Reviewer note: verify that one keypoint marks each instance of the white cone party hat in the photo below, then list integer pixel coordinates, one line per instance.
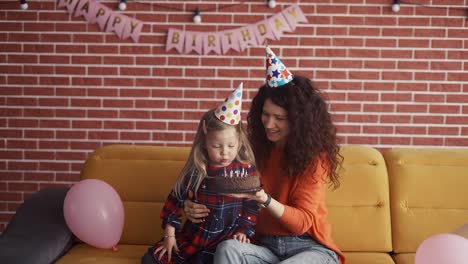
(230, 110)
(277, 73)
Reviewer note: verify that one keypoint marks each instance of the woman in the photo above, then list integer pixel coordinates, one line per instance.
(296, 150)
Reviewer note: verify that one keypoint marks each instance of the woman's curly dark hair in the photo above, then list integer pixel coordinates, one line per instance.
(312, 134)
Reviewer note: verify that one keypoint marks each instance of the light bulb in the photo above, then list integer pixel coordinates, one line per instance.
(271, 3)
(122, 6)
(24, 4)
(396, 6)
(197, 17)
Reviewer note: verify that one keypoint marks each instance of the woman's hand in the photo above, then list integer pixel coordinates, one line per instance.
(195, 212)
(169, 244)
(241, 237)
(259, 196)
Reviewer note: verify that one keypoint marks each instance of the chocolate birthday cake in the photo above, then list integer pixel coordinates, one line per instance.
(235, 181)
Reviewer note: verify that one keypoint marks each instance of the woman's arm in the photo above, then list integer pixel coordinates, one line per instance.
(195, 212)
(275, 208)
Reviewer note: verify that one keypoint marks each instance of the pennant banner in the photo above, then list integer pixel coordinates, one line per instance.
(107, 19)
(236, 39)
(187, 41)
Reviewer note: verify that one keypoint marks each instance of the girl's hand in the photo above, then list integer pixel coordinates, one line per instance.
(169, 244)
(195, 212)
(241, 237)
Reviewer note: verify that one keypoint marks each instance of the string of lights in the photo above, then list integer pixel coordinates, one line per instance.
(197, 19)
(397, 3)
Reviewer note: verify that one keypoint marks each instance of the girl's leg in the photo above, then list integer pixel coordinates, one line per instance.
(233, 251)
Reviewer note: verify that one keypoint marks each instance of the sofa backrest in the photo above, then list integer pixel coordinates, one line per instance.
(428, 193)
(359, 210)
(143, 176)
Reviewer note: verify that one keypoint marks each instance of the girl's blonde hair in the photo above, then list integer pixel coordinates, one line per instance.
(195, 167)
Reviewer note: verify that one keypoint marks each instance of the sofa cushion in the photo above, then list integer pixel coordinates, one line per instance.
(404, 258)
(368, 258)
(359, 209)
(85, 254)
(143, 177)
(38, 232)
(428, 193)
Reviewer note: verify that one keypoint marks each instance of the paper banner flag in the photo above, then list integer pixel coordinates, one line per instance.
(211, 42)
(175, 39)
(62, 3)
(229, 40)
(294, 15)
(117, 23)
(102, 15)
(193, 41)
(262, 31)
(132, 29)
(82, 9)
(71, 4)
(246, 38)
(278, 25)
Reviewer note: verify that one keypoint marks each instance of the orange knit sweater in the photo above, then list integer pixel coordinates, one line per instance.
(304, 200)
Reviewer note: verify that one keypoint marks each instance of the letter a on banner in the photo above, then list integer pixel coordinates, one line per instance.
(278, 25)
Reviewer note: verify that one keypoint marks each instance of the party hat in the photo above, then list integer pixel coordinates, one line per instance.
(277, 73)
(230, 110)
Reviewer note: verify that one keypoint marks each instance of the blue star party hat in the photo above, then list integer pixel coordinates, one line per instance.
(277, 73)
(230, 110)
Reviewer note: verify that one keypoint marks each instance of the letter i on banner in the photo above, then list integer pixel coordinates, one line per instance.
(193, 41)
(294, 15)
(229, 40)
(132, 29)
(211, 42)
(175, 39)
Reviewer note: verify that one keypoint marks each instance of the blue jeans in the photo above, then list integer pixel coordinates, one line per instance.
(276, 249)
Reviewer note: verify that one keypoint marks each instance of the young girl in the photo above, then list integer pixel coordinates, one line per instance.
(220, 146)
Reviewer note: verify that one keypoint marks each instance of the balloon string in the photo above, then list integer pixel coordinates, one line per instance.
(115, 249)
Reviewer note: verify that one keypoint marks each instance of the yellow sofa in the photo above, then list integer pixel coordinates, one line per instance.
(386, 206)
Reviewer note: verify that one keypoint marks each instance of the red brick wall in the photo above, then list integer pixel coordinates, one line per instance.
(67, 88)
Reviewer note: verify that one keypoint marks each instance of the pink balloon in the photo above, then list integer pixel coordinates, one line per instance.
(443, 248)
(94, 212)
